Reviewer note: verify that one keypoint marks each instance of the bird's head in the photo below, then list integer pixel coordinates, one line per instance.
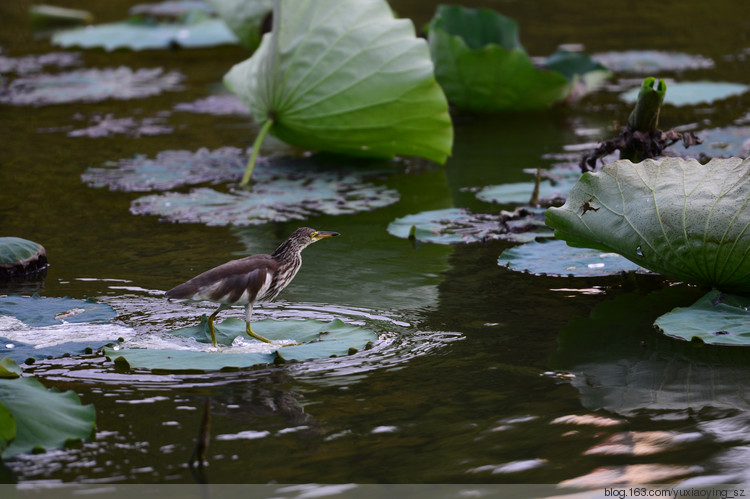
(305, 236)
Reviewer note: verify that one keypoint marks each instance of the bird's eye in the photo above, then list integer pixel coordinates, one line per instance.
(313, 235)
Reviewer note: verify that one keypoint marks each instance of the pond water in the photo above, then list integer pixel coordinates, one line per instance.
(480, 374)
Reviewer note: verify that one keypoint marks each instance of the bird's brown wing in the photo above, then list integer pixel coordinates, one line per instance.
(228, 282)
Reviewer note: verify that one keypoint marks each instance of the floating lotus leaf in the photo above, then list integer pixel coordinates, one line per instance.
(215, 104)
(108, 126)
(482, 66)
(88, 85)
(521, 192)
(691, 93)
(722, 142)
(35, 63)
(7, 428)
(62, 420)
(244, 18)
(460, 226)
(676, 217)
(171, 9)
(716, 318)
(315, 340)
(345, 76)
(147, 35)
(652, 61)
(35, 327)
(21, 257)
(557, 259)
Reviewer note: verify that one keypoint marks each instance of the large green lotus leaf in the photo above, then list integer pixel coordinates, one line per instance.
(534, 257)
(9, 369)
(460, 226)
(345, 76)
(691, 93)
(63, 418)
(7, 428)
(716, 318)
(492, 77)
(38, 311)
(313, 339)
(147, 35)
(676, 217)
(245, 18)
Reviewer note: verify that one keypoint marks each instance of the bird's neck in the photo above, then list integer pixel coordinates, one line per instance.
(288, 249)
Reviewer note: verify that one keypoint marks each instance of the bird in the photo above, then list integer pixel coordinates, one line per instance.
(249, 280)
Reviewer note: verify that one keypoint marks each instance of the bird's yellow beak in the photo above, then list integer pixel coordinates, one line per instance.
(323, 233)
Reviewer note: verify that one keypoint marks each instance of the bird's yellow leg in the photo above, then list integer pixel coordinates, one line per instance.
(211, 323)
(255, 335)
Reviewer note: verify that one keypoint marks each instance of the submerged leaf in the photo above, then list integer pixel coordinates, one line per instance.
(346, 77)
(534, 257)
(88, 85)
(676, 217)
(716, 319)
(314, 340)
(460, 226)
(62, 419)
(482, 67)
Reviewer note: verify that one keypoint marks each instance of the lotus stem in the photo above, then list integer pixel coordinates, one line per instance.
(645, 116)
(256, 147)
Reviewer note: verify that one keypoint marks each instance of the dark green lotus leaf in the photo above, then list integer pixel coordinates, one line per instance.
(583, 72)
(147, 35)
(244, 18)
(716, 318)
(621, 364)
(652, 61)
(555, 258)
(679, 218)
(344, 76)
(314, 340)
(38, 311)
(218, 105)
(7, 428)
(496, 76)
(21, 257)
(88, 85)
(35, 63)
(281, 198)
(460, 226)
(691, 93)
(63, 417)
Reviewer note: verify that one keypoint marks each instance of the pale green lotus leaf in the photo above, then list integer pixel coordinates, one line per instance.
(557, 259)
(245, 18)
(691, 93)
(345, 76)
(716, 319)
(63, 418)
(146, 35)
(20, 257)
(676, 217)
(312, 340)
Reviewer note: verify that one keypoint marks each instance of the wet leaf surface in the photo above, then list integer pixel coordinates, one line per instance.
(716, 319)
(88, 85)
(534, 258)
(460, 226)
(292, 340)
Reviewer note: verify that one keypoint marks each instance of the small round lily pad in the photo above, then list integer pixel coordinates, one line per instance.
(20, 257)
(716, 319)
(555, 258)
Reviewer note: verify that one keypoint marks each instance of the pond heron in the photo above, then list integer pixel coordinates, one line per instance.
(251, 279)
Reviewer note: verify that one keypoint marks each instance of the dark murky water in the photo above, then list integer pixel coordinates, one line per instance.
(481, 374)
